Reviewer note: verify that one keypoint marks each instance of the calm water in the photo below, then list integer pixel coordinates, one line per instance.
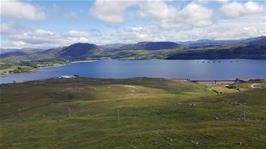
(174, 69)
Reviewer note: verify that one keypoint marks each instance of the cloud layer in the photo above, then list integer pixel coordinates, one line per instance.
(39, 38)
(153, 10)
(160, 20)
(236, 9)
(21, 10)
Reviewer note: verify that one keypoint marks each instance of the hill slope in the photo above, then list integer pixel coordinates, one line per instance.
(253, 51)
(78, 51)
(14, 54)
(131, 113)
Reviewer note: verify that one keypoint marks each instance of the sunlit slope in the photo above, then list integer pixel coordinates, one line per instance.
(131, 113)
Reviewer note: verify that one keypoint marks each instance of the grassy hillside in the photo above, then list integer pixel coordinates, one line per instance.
(8, 66)
(133, 113)
(225, 52)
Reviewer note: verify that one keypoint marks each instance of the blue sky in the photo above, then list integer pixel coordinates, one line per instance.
(51, 23)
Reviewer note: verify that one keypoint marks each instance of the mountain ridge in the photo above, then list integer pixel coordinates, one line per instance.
(151, 45)
(78, 51)
(253, 48)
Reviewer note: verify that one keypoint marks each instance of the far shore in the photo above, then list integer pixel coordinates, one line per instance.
(32, 69)
(84, 61)
(206, 82)
(53, 65)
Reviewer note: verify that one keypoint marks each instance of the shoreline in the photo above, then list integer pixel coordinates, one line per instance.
(33, 69)
(54, 65)
(85, 61)
(206, 82)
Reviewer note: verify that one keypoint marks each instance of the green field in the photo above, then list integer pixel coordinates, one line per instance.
(138, 113)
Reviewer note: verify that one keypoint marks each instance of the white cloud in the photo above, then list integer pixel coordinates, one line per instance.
(74, 36)
(236, 9)
(197, 15)
(156, 11)
(167, 16)
(253, 7)
(110, 11)
(21, 10)
(243, 27)
(10, 29)
(164, 21)
(19, 37)
(230, 28)
(214, 1)
(234, 28)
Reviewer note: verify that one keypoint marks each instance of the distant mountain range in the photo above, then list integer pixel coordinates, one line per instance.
(203, 43)
(78, 51)
(151, 46)
(17, 53)
(251, 48)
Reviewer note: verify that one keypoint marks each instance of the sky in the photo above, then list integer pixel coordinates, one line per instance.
(55, 23)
